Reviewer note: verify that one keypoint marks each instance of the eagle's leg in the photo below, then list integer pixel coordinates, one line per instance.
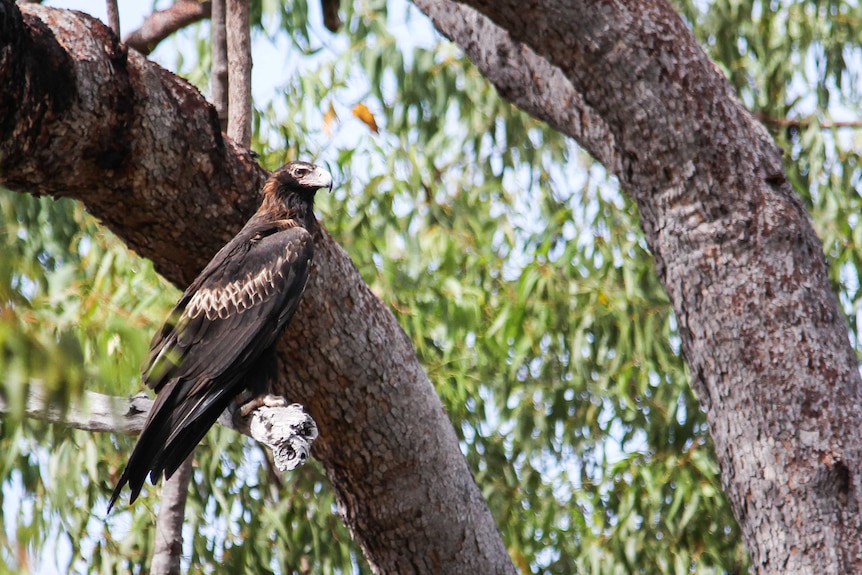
(260, 379)
(283, 427)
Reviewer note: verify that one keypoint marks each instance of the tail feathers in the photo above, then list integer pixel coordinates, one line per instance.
(188, 434)
(176, 424)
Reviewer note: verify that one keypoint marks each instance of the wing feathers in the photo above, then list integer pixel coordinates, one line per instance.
(222, 301)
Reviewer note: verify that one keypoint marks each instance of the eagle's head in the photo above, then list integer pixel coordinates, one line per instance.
(300, 178)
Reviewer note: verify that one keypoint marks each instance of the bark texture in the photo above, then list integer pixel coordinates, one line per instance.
(761, 328)
(83, 118)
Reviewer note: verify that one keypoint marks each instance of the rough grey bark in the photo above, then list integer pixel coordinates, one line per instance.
(761, 328)
(523, 77)
(144, 152)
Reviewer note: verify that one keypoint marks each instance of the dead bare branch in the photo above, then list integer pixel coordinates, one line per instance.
(92, 412)
(275, 423)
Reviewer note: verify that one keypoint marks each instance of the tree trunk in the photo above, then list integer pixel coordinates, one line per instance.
(760, 326)
(144, 152)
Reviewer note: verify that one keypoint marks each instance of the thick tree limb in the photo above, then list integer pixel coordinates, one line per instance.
(162, 23)
(525, 79)
(144, 152)
(760, 326)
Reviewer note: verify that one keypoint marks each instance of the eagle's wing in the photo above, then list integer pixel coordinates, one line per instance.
(215, 342)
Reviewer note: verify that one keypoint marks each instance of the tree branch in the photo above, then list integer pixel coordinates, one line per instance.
(523, 78)
(284, 428)
(169, 526)
(92, 412)
(113, 16)
(162, 23)
(331, 19)
(219, 80)
(168, 547)
(144, 152)
(239, 66)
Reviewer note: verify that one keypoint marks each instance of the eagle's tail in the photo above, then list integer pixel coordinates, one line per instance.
(182, 413)
(176, 424)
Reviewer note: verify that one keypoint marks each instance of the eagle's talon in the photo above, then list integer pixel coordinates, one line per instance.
(250, 406)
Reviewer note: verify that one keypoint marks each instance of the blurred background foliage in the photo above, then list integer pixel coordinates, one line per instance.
(510, 258)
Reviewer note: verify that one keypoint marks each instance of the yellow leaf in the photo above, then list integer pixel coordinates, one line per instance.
(362, 112)
(329, 118)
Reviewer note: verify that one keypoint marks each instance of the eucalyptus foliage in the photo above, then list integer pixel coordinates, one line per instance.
(512, 261)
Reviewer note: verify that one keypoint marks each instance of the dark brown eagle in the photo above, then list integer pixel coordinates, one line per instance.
(220, 338)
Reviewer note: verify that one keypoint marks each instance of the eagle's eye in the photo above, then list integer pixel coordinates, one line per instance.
(300, 173)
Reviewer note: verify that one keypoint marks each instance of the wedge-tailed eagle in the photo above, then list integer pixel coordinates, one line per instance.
(220, 338)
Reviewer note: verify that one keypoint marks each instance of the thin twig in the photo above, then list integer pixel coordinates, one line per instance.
(239, 71)
(169, 531)
(331, 19)
(805, 122)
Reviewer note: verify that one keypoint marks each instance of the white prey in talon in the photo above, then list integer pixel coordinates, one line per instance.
(285, 429)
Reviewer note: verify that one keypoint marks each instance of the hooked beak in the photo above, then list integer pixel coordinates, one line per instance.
(319, 178)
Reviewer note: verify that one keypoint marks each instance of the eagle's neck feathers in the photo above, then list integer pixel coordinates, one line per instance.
(285, 210)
